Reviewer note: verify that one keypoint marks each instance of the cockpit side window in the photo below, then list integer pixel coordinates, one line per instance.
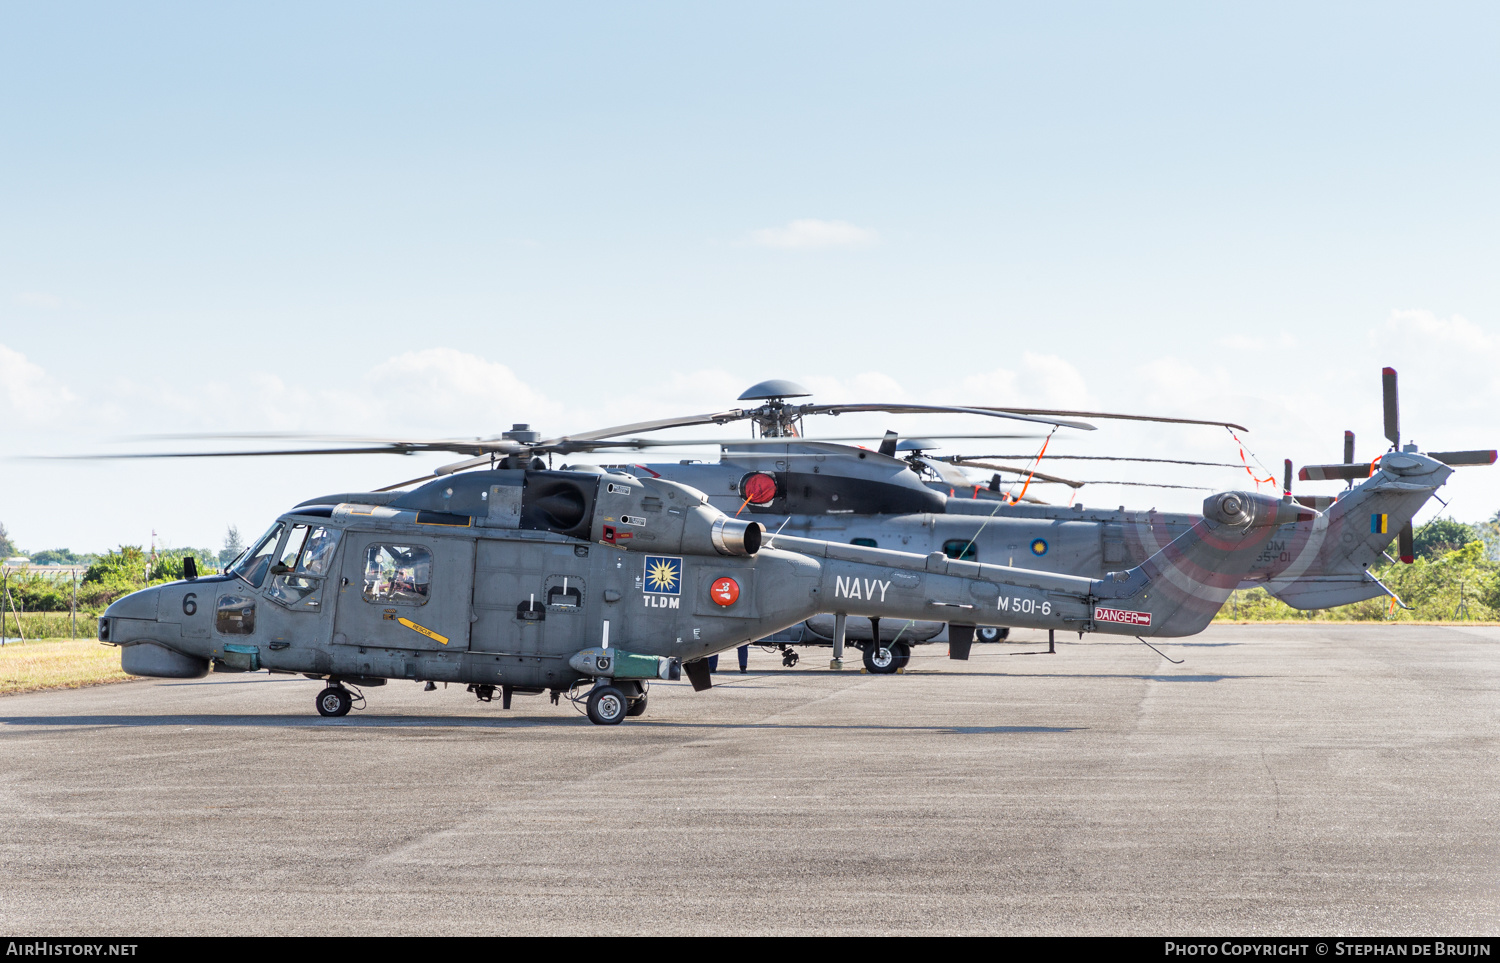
(253, 564)
(306, 555)
(319, 551)
(292, 550)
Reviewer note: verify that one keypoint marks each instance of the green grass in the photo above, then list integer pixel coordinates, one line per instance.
(50, 625)
(57, 664)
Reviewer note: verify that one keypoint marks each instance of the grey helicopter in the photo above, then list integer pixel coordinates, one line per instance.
(828, 490)
(531, 581)
(1318, 564)
(826, 478)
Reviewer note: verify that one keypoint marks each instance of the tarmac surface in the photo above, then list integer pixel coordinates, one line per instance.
(1304, 780)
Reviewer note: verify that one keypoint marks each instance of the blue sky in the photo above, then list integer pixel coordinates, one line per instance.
(438, 219)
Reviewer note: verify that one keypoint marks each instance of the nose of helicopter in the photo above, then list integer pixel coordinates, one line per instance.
(146, 643)
(141, 606)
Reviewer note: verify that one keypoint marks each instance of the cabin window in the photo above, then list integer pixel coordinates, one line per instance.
(398, 573)
(866, 542)
(961, 549)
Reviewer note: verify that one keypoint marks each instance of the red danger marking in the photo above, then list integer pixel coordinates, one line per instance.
(726, 591)
(760, 488)
(1125, 616)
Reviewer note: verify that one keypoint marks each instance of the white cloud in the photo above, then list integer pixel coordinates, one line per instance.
(442, 389)
(810, 234)
(1043, 381)
(867, 387)
(1457, 331)
(26, 390)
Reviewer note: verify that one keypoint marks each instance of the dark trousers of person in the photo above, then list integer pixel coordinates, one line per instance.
(713, 660)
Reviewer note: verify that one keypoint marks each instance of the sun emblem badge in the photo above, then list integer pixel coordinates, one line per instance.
(663, 575)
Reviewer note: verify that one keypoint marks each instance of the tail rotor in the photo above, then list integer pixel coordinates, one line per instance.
(1351, 471)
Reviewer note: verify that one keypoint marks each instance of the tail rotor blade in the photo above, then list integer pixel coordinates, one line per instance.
(1335, 472)
(888, 444)
(1392, 409)
(1405, 542)
(1286, 478)
(1465, 457)
(1348, 447)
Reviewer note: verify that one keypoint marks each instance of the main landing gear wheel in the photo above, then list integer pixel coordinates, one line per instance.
(607, 705)
(637, 706)
(991, 633)
(334, 701)
(887, 659)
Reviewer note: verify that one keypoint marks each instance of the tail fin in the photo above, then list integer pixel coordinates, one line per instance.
(1180, 589)
(1328, 563)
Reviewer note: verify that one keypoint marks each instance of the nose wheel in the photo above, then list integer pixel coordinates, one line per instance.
(335, 701)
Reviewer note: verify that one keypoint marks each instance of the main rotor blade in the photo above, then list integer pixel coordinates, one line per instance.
(1406, 544)
(1010, 469)
(1158, 461)
(310, 437)
(1392, 408)
(1119, 417)
(1464, 457)
(949, 474)
(566, 444)
(383, 450)
(1105, 481)
(1017, 414)
(643, 443)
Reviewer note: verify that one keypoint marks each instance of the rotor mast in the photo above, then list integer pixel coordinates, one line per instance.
(775, 418)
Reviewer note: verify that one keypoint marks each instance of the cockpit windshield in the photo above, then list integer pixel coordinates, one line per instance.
(253, 564)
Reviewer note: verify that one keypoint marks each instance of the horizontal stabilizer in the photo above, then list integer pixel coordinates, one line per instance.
(1318, 503)
(1352, 472)
(1464, 457)
(1324, 592)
